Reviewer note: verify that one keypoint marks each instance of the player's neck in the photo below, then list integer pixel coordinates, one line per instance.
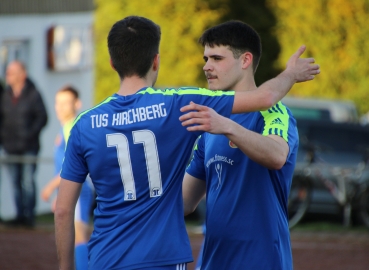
(247, 83)
(66, 120)
(131, 85)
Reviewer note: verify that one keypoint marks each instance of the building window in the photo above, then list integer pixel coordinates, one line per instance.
(69, 47)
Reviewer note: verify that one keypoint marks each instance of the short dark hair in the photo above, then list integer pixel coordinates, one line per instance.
(133, 43)
(70, 89)
(239, 36)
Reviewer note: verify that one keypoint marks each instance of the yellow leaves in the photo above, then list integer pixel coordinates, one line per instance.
(335, 32)
(182, 23)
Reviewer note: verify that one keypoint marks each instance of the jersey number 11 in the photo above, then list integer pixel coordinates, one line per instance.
(147, 138)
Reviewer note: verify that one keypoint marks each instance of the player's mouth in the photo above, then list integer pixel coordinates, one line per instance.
(211, 77)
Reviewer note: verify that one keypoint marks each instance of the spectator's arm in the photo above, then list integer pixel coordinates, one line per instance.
(40, 115)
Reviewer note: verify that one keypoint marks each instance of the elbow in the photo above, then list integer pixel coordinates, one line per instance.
(61, 213)
(277, 164)
(188, 210)
(276, 167)
(269, 100)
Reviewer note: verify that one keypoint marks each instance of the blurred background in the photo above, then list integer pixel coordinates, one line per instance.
(64, 42)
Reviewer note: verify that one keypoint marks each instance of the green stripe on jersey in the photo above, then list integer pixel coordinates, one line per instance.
(66, 130)
(186, 91)
(82, 113)
(276, 121)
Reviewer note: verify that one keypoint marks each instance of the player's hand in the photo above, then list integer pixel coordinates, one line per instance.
(302, 69)
(46, 193)
(203, 118)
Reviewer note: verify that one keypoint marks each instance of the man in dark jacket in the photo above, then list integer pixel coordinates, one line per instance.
(23, 116)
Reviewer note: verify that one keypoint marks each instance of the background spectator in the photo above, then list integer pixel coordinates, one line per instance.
(23, 116)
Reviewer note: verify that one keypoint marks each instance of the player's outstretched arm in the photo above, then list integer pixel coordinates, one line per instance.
(269, 93)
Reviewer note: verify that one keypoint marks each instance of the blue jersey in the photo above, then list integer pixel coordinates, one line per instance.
(85, 200)
(246, 214)
(136, 150)
(59, 149)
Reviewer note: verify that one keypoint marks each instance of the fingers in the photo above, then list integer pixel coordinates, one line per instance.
(197, 118)
(195, 128)
(195, 124)
(303, 69)
(191, 123)
(310, 60)
(191, 118)
(299, 52)
(314, 69)
(192, 107)
(194, 111)
(316, 66)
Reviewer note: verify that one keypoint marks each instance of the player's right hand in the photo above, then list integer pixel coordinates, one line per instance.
(302, 69)
(202, 118)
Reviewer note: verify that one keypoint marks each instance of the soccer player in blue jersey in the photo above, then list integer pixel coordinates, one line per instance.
(67, 103)
(135, 150)
(246, 173)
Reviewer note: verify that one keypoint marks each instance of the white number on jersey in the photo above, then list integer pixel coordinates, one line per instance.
(147, 138)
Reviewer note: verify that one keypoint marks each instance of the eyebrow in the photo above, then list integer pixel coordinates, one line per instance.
(213, 56)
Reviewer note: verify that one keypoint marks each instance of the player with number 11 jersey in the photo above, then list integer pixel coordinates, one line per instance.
(123, 145)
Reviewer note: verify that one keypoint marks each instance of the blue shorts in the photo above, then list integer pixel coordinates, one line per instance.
(85, 202)
(180, 266)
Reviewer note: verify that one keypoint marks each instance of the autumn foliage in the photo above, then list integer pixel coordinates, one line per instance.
(182, 23)
(336, 35)
(334, 31)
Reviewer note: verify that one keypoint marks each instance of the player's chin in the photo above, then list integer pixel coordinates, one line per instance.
(212, 85)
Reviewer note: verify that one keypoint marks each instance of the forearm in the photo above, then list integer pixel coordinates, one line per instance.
(275, 89)
(261, 149)
(64, 233)
(193, 190)
(64, 222)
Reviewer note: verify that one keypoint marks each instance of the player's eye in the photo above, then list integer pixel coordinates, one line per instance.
(205, 59)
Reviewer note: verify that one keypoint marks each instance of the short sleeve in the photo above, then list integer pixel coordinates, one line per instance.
(278, 120)
(74, 165)
(196, 168)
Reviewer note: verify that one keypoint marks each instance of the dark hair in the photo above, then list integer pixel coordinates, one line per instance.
(133, 43)
(239, 36)
(70, 89)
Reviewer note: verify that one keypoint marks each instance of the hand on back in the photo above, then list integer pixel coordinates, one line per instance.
(203, 118)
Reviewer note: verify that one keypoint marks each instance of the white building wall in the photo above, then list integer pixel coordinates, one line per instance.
(34, 28)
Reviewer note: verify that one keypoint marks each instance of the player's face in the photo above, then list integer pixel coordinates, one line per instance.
(222, 70)
(65, 106)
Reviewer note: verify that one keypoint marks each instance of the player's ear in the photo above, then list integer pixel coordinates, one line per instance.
(78, 104)
(111, 64)
(156, 62)
(247, 58)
